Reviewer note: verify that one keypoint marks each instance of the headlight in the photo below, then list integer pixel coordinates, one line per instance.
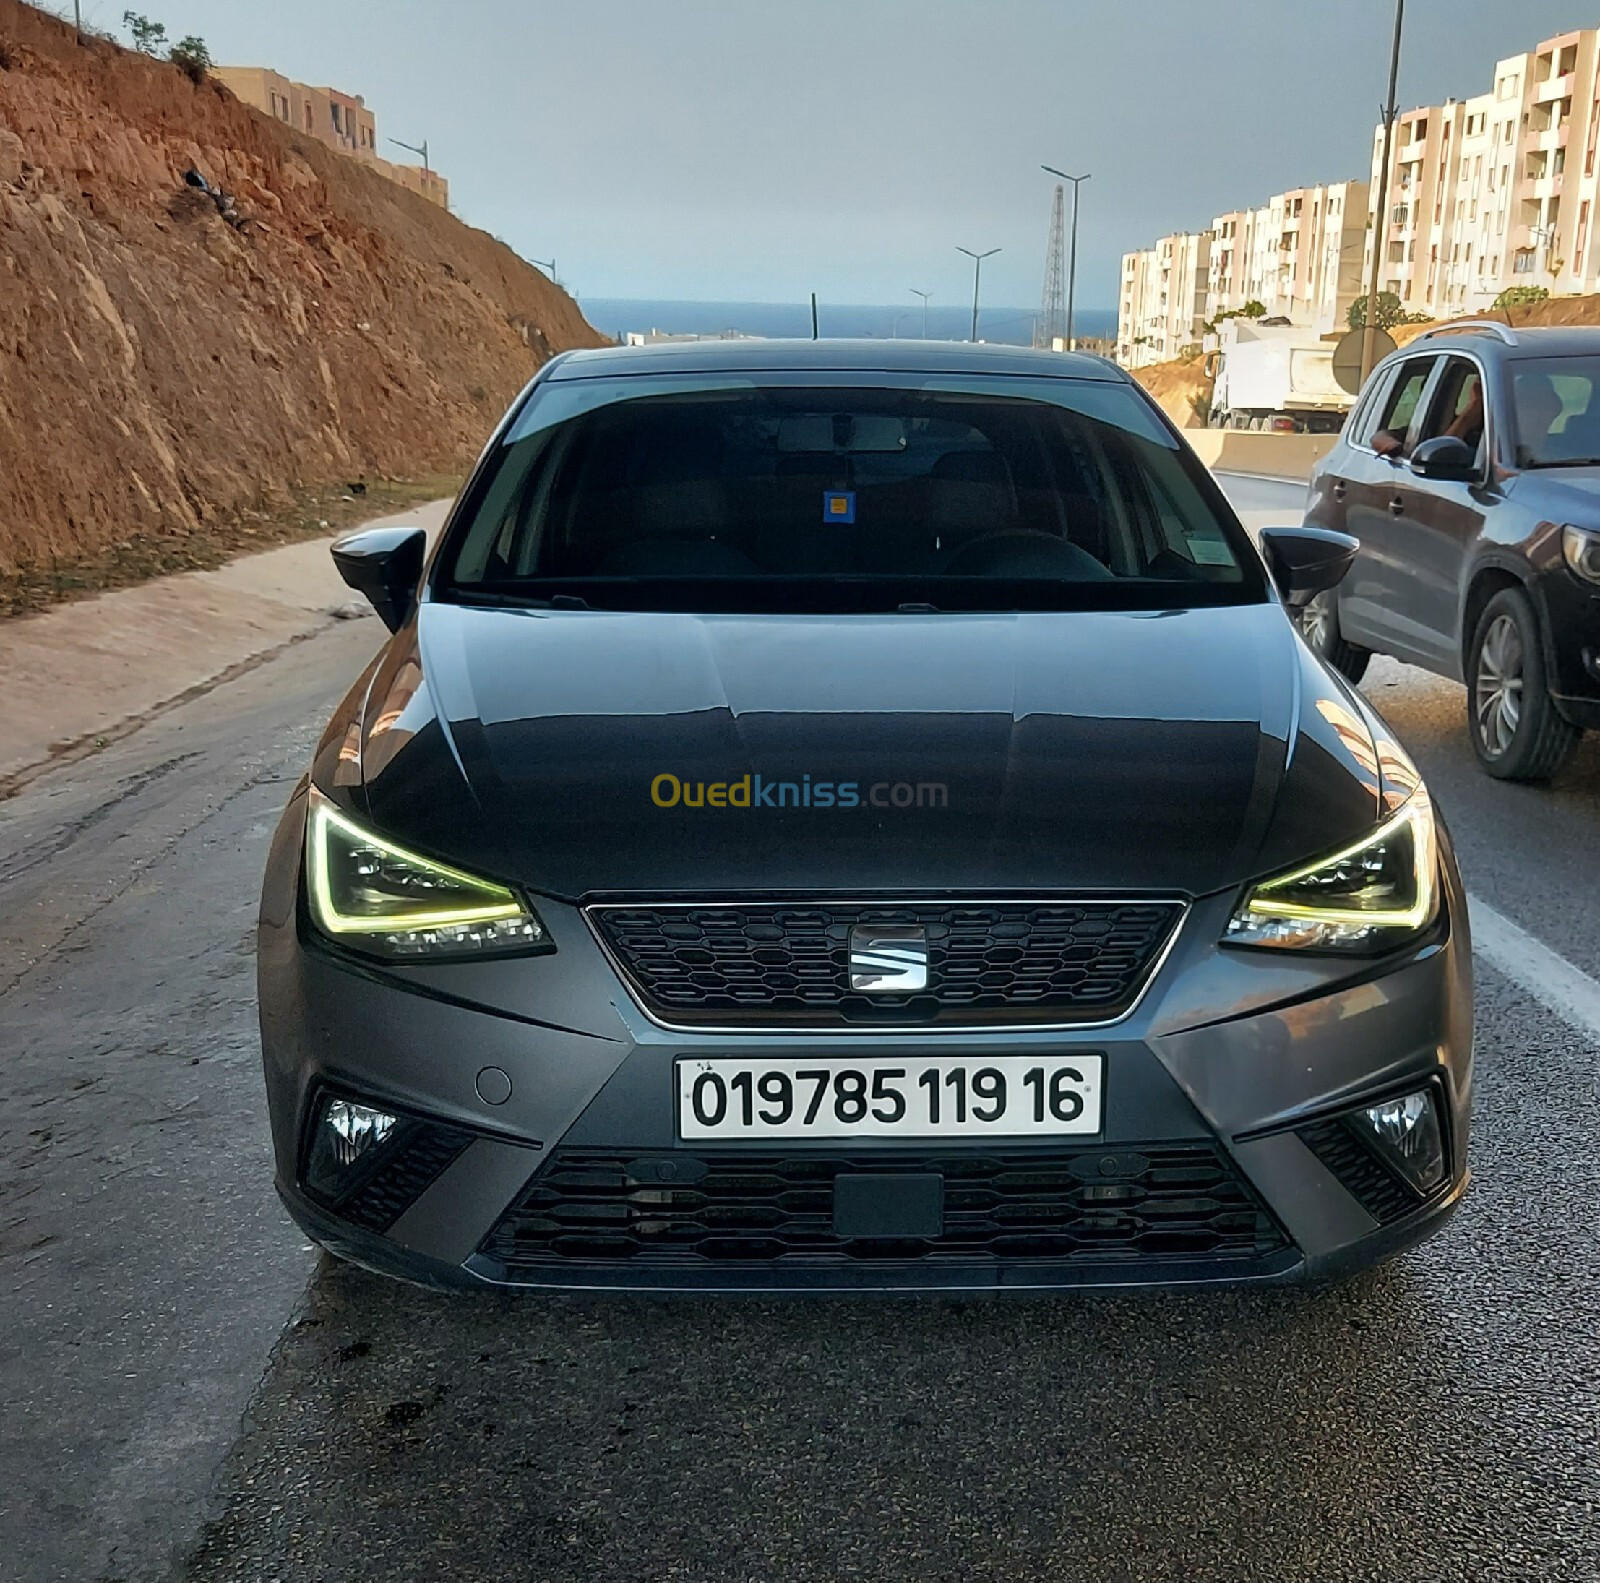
(1368, 898)
(376, 897)
(1580, 547)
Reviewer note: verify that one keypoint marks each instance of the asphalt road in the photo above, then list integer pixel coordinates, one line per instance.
(192, 1394)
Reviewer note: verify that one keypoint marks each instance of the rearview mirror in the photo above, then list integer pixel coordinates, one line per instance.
(385, 566)
(1306, 561)
(1447, 457)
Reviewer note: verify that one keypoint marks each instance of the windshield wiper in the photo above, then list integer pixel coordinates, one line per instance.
(914, 607)
(509, 599)
(1569, 461)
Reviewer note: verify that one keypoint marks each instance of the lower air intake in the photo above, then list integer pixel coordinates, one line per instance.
(679, 1211)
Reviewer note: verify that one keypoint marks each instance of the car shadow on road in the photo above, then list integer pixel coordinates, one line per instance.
(1258, 1434)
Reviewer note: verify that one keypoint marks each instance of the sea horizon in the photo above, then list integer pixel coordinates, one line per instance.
(619, 316)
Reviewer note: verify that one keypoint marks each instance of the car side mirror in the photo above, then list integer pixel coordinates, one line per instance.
(1447, 457)
(385, 566)
(1305, 562)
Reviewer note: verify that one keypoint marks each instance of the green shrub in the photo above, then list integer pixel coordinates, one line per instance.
(1517, 296)
(148, 36)
(1390, 312)
(191, 57)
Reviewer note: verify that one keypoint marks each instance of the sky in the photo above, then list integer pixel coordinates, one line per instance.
(759, 150)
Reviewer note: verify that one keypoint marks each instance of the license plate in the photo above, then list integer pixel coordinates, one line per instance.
(1004, 1096)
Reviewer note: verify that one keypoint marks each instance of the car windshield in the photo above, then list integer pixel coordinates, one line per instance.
(1556, 401)
(728, 493)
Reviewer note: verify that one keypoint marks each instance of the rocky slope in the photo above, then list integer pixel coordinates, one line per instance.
(162, 369)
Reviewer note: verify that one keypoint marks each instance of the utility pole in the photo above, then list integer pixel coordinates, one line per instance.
(924, 295)
(977, 274)
(1369, 337)
(1072, 257)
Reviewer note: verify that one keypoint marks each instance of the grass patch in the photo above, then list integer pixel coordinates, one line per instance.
(308, 514)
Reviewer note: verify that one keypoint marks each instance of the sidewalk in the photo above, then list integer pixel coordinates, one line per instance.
(97, 668)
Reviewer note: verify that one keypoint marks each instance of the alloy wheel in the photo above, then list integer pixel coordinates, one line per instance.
(1498, 690)
(1316, 622)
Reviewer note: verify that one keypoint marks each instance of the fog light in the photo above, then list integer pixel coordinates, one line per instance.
(1409, 1137)
(355, 1129)
(345, 1146)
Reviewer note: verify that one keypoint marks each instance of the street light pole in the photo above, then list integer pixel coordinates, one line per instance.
(924, 295)
(1072, 248)
(1369, 336)
(977, 274)
(415, 148)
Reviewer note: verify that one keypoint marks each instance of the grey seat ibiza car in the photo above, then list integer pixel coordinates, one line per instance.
(838, 816)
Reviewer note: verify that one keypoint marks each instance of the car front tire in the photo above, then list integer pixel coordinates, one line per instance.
(1517, 732)
(1319, 626)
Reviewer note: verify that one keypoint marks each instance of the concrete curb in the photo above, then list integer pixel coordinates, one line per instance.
(80, 675)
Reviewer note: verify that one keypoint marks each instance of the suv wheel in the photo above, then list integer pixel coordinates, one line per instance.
(1319, 626)
(1516, 730)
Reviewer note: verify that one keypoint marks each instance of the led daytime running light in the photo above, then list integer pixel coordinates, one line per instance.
(326, 821)
(1418, 814)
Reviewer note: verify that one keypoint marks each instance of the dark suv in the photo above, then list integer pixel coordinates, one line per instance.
(1470, 472)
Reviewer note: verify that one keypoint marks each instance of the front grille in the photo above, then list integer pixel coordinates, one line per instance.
(782, 963)
(684, 1212)
(1360, 1173)
(413, 1166)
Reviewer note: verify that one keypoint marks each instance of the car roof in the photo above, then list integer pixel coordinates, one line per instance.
(749, 354)
(1566, 340)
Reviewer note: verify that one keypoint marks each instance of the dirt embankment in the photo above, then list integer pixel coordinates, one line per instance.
(163, 371)
(1182, 389)
(1560, 312)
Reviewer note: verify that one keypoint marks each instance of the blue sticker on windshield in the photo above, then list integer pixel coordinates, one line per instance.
(839, 505)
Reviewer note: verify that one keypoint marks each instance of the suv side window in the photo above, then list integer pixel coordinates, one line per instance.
(1457, 406)
(1365, 417)
(1401, 407)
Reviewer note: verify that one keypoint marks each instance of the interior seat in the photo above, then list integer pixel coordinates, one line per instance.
(793, 537)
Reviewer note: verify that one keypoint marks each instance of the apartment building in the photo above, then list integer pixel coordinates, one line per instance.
(1308, 253)
(340, 120)
(1500, 189)
(1162, 306)
(1299, 255)
(1232, 278)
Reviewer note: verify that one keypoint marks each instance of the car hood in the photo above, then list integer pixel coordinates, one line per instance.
(1172, 751)
(1561, 492)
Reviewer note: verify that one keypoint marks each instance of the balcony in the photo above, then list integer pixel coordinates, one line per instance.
(1553, 88)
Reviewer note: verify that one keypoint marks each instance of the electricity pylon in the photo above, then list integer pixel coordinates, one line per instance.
(1052, 320)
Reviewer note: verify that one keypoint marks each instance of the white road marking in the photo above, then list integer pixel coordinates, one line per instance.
(1568, 991)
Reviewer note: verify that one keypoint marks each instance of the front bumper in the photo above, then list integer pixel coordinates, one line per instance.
(1571, 617)
(1234, 1055)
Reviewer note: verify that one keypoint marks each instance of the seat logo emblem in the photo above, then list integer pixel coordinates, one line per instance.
(888, 961)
